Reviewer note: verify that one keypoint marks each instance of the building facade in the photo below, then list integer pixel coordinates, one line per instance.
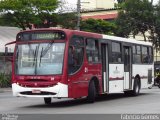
(97, 4)
(7, 34)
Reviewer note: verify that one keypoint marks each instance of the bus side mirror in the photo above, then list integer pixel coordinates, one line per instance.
(8, 58)
(6, 51)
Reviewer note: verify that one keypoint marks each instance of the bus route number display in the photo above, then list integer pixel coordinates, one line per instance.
(48, 36)
(40, 36)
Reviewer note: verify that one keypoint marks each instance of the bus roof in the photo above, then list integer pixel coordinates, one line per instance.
(95, 35)
(128, 40)
(68, 31)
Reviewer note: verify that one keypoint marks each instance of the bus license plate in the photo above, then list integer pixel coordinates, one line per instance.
(36, 91)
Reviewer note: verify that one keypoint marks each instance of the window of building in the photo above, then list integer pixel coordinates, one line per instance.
(92, 49)
(116, 52)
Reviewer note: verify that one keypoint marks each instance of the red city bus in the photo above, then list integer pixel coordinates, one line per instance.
(62, 63)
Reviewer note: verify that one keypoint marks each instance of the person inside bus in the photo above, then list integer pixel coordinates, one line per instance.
(71, 60)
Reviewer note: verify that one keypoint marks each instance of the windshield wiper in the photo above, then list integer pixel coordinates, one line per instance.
(45, 50)
(35, 55)
(17, 55)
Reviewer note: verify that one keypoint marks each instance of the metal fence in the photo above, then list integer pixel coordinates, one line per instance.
(5, 66)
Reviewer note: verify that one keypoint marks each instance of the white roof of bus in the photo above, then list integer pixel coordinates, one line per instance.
(126, 40)
(114, 38)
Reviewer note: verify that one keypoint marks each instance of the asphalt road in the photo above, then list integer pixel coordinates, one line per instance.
(147, 102)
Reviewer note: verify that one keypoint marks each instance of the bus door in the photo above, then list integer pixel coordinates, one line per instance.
(127, 67)
(105, 74)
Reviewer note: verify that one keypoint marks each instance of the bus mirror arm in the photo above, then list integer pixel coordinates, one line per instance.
(6, 52)
(10, 43)
(6, 48)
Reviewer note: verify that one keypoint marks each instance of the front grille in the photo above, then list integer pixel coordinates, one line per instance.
(35, 80)
(42, 93)
(39, 84)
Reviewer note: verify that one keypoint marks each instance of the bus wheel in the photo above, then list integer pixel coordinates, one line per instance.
(91, 92)
(127, 93)
(136, 88)
(47, 101)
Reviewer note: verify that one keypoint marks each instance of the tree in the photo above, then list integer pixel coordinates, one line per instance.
(5, 20)
(124, 27)
(67, 20)
(98, 26)
(155, 31)
(24, 12)
(136, 16)
(120, 1)
(67, 16)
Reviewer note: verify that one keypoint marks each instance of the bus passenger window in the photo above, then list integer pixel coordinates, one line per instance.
(150, 51)
(75, 54)
(145, 55)
(92, 49)
(116, 53)
(136, 54)
(71, 60)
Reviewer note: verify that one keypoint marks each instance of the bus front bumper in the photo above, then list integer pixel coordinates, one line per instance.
(57, 91)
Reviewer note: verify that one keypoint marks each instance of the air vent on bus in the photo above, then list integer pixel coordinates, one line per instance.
(41, 93)
(36, 80)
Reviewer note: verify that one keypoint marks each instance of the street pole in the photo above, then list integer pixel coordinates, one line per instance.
(78, 14)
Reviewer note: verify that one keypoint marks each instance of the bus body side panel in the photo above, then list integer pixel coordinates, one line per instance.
(79, 82)
(143, 73)
(116, 78)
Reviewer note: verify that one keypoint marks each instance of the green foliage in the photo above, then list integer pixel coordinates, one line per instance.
(136, 16)
(139, 16)
(124, 26)
(155, 30)
(120, 1)
(98, 26)
(5, 80)
(5, 20)
(67, 20)
(24, 12)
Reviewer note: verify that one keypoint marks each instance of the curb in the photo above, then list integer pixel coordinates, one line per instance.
(5, 90)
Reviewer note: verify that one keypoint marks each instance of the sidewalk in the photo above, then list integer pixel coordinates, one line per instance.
(5, 90)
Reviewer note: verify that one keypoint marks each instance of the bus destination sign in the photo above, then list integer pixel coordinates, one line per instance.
(26, 36)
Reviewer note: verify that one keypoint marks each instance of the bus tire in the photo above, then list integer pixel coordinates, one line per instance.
(47, 101)
(91, 92)
(127, 93)
(136, 87)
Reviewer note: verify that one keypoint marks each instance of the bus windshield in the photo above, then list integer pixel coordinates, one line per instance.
(39, 59)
